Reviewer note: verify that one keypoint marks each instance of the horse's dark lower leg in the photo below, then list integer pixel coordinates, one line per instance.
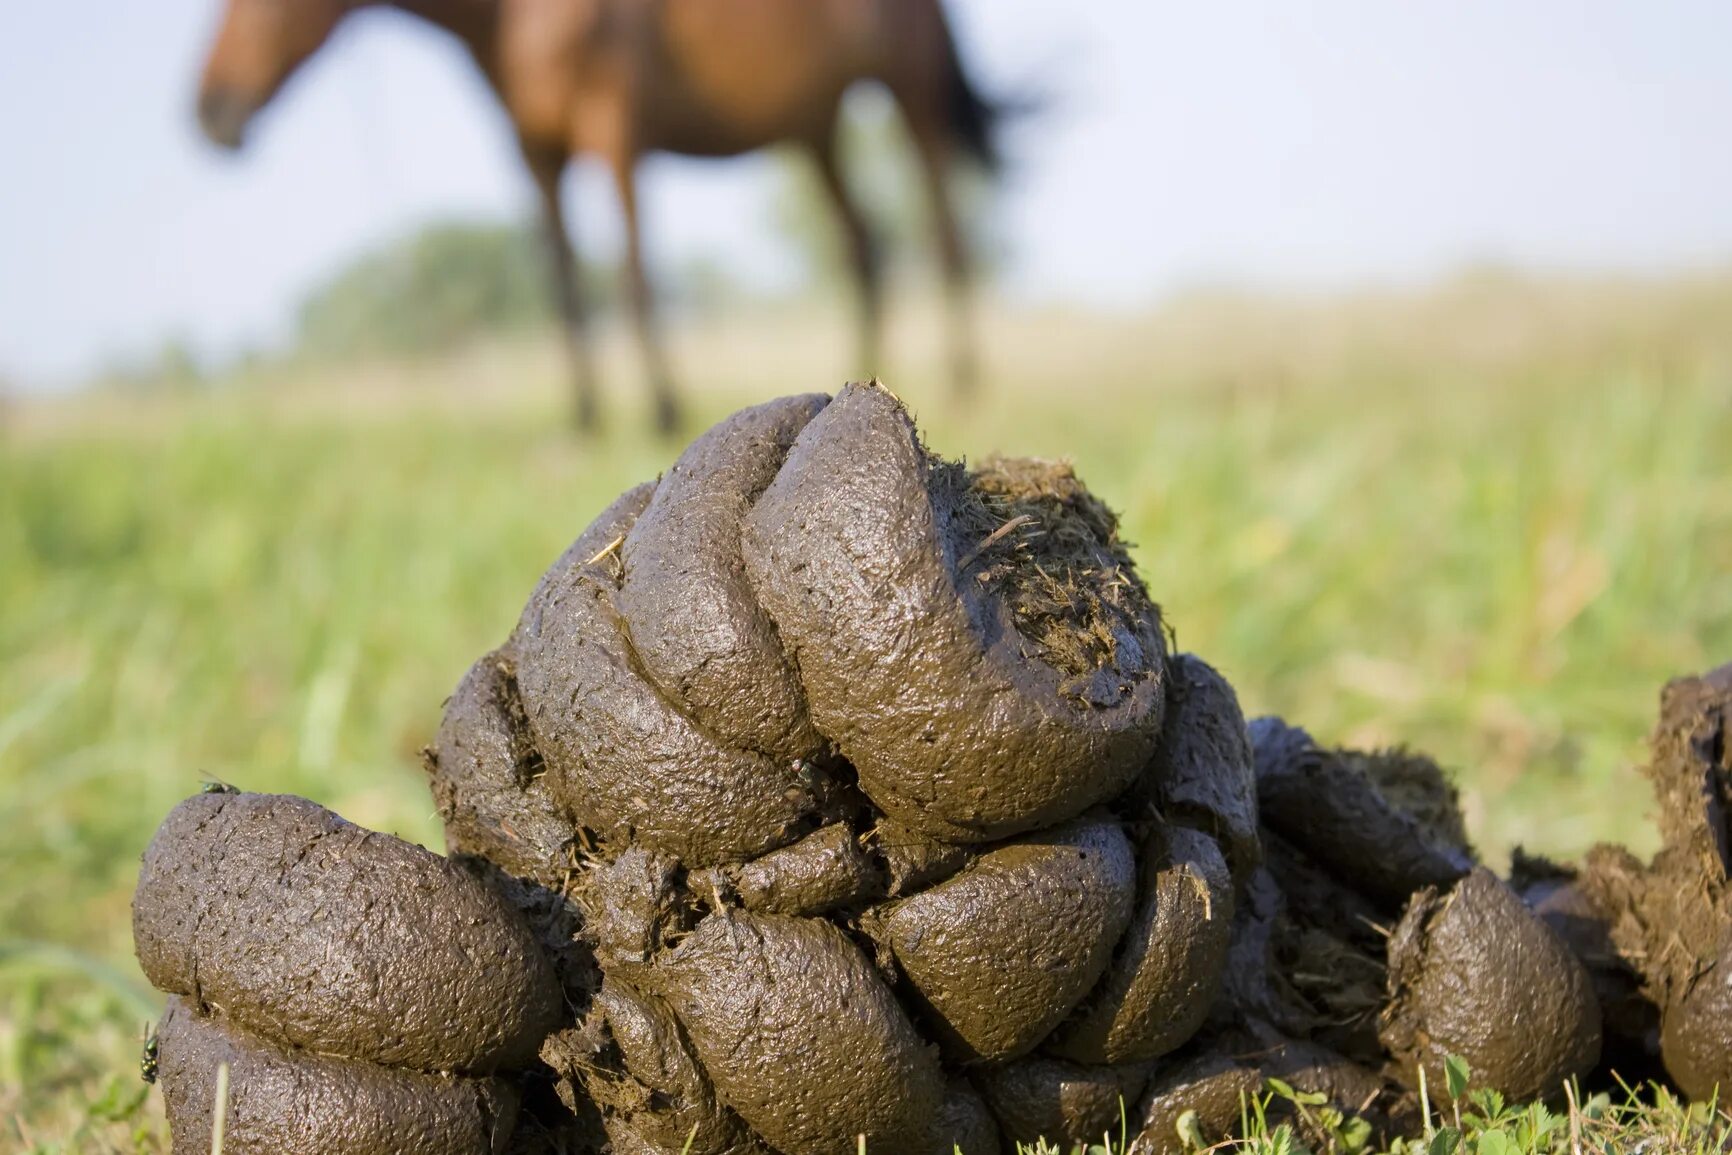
(579, 351)
(546, 167)
(863, 255)
(935, 155)
(667, 406)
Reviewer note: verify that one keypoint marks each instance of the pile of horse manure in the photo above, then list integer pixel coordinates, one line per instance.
(826, 788)
(365, 994)
(1657, 938)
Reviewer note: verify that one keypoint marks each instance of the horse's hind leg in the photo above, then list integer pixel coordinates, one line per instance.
(863, 254)
(667, 406)
(547, 166)
(936, 153)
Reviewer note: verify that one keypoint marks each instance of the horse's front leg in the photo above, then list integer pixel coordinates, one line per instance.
(623, 161)
(547, 166)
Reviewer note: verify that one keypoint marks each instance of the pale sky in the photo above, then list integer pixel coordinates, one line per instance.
(1267, 143)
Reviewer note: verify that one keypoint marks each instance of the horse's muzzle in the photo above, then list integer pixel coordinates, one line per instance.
(223, 115)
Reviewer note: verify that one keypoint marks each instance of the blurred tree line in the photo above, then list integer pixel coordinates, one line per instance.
(437, 287)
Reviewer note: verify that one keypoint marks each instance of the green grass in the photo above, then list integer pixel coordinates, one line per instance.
(1282, 1121)
(1488, 522)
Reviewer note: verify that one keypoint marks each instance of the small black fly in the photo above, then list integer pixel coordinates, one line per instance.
(147, 1059)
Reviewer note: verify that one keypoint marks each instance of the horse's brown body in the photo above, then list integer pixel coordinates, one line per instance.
(617, 78)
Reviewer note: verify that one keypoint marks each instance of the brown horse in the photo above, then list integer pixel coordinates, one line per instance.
(618, 78)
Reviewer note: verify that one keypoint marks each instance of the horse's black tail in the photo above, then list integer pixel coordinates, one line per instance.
(974, 119)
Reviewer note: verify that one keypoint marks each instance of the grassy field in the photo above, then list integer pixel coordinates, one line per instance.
(1487, 520)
